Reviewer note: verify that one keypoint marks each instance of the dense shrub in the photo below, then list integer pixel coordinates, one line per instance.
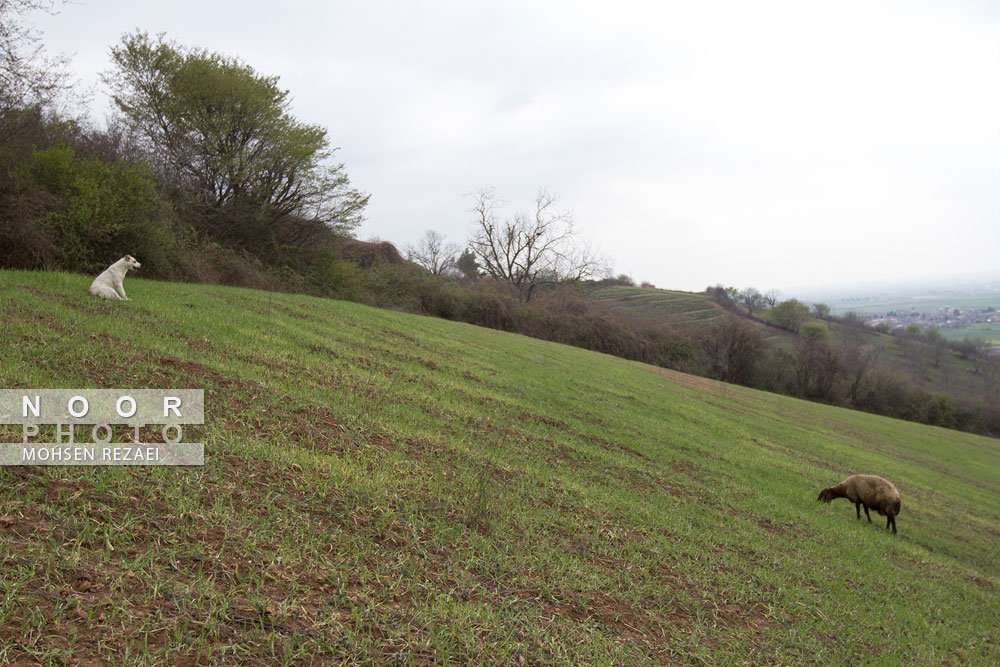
(790, 314)
(887, 392)
(940, 410)
(99, 211)
(330, 275)
(486, 307)
(65, 210)
(819, 369)
(732, 349)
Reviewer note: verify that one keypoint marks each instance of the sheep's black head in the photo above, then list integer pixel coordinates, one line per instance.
(826, 495)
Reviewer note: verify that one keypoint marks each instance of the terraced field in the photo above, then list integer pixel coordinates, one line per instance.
(674, 307)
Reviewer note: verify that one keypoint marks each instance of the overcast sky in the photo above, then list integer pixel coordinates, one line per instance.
(774, 144)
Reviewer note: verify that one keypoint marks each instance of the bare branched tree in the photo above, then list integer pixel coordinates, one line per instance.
(860, 351)
(27, 74)
(432, 253)
(530, 249)
(752, 299)
(733, 350)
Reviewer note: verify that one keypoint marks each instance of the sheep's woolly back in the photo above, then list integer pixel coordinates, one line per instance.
(873, 491)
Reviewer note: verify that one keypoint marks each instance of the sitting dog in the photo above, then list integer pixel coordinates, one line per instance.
(108, 285)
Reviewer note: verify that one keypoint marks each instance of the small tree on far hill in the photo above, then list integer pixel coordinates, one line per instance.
(821, 310)
(818, 367)
(789, 314)
(938, 342)
(814, 331)
(855, 323)
(752, 299)
(467, 265)
(859, 351)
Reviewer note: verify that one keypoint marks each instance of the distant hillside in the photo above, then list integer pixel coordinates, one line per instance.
(386, 488)
(682, 310)
(934, 368)
(674, 307)
(902, 374)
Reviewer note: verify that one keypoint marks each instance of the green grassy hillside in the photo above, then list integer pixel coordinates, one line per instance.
(392, 489)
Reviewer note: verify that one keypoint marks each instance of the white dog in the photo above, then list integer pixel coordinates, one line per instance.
(109, 284)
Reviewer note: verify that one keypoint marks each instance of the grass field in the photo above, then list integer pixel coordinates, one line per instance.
(988, 332)
(905, 303)
(384, 488)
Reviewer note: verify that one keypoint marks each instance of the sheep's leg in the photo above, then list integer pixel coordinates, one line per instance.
(857, 506)
(892, 520)
(867, 514)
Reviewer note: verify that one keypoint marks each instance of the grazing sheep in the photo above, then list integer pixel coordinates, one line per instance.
(869, 491)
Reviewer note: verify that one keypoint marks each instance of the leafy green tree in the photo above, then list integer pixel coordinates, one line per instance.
(467, 265)
(223, 131)
(789, 314)
(941, 410)
(821, 310)
(814, 331)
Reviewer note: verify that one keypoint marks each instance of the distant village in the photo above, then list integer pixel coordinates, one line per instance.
(942, 318)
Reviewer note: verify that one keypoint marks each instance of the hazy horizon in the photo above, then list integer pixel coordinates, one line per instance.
(915, 285)
(977, 283)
